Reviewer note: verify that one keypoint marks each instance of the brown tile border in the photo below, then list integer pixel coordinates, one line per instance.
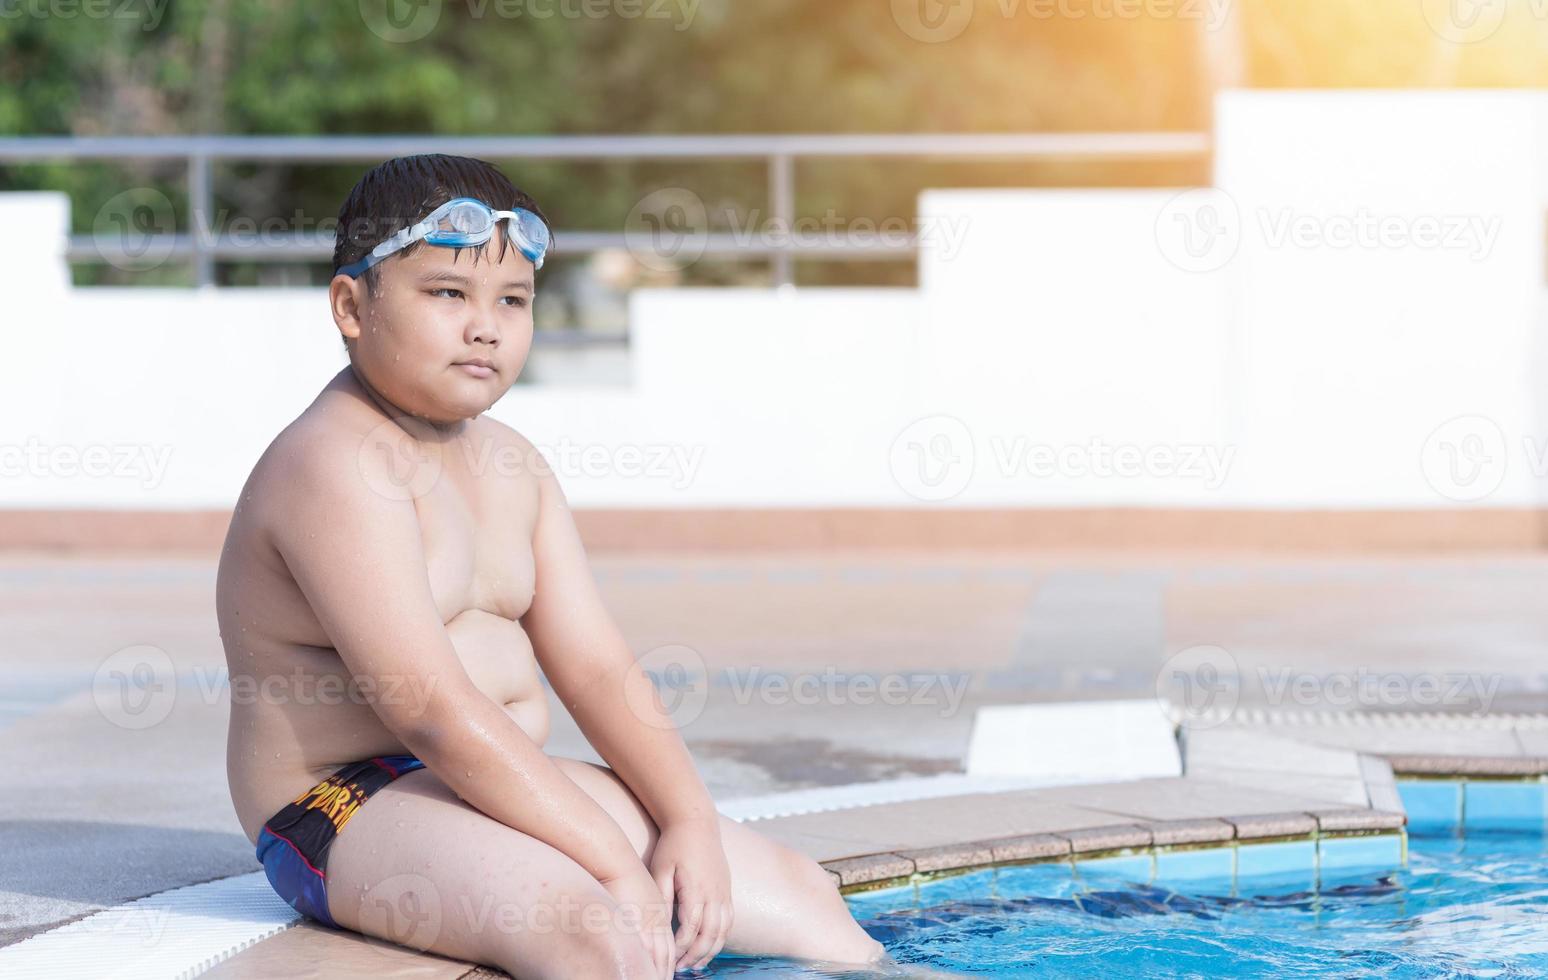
(870, 868)
(1259, 826)
(1170, 833)
(1021, 528)
(950, 857)
(1093, 839)
(114, 531)
(1343, 820)
(1384, 816)
(791, 529)
(1028, 847)
(1467, 765)
(898, 866)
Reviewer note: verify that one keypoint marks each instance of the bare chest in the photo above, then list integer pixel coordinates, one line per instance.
(477, 537)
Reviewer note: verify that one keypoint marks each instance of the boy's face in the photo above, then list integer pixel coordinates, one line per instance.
(446, 333)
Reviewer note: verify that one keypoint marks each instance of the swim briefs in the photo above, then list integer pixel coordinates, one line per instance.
(293, 845)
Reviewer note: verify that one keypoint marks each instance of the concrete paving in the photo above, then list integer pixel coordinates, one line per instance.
(98, 808)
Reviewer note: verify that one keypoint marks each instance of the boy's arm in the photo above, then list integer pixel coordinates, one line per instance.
(357, 557)
(587, 660)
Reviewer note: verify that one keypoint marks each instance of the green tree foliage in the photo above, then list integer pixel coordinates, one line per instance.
(95, 67)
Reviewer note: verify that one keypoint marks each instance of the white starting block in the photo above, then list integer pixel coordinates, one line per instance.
(1074, 742)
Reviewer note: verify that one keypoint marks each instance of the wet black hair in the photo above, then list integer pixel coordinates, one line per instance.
(395, 194)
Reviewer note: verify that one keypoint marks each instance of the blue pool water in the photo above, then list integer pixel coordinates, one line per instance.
(1473, 907)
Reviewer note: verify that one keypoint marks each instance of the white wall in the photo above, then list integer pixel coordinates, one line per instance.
(1350, 357)
(1058, 338)
(1060, 324)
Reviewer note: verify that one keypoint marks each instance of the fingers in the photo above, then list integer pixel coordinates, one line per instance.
(655, 934)
(690, 914)
(722, 930)
(658, 944)
(661, 941)
(703, 946)
(663, 951)
(714, 923)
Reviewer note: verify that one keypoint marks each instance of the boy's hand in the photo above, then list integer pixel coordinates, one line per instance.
(646, 911)
(689, 865)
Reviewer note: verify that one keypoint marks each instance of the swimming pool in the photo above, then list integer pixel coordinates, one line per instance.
(1474, 906)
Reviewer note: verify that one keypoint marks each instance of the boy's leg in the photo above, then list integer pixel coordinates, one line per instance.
(784, 903)
(417, 866)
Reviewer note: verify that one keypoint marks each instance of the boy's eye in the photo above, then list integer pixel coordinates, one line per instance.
(516, 300)
(450, 293)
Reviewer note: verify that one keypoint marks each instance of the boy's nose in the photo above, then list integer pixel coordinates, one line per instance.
(482, 329)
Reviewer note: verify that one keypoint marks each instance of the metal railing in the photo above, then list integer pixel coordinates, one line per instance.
(203, 248)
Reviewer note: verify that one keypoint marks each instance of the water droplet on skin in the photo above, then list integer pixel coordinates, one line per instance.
(400, 823)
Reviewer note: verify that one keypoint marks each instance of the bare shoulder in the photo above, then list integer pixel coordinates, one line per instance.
(335, 451)
(312, 472)
(509, 453)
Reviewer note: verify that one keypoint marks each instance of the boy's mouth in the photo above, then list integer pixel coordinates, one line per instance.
(477, 367)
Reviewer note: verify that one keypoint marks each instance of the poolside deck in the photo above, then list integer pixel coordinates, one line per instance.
(98, 814)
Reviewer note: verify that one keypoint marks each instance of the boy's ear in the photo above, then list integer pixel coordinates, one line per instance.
(346, 297)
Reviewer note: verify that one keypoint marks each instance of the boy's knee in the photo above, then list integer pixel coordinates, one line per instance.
(604, 954)
(614, 954)
(807, 874)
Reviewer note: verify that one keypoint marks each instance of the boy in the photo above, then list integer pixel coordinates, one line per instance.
(386, 599)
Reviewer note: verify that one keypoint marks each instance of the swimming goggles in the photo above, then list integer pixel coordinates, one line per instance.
(460, 223)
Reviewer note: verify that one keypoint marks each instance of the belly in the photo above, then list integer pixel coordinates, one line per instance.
(280, 746)
(498, 657)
